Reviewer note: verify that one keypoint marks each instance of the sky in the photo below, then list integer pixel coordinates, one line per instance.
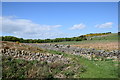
(60, 0)
(43, 20)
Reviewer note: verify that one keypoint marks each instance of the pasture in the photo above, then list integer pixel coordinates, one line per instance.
(109, 42)
(29, 60)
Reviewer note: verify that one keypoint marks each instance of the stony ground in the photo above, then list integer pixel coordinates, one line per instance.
(84, 59)
(45, 64)
(21, 60)
(88, 53)
(24, 52)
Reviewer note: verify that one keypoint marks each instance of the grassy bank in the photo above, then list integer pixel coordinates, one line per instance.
(94, 69)
(78, 67)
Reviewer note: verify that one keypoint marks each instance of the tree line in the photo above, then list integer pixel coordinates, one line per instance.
(21, 40)
(79, 38)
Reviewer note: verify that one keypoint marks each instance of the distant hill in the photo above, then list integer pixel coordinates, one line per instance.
(96, 34)
(79, 38)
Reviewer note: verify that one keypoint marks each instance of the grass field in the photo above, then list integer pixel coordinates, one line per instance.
(78, 68)
(109, 42)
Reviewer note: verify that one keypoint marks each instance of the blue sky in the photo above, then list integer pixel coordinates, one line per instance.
(58, 19)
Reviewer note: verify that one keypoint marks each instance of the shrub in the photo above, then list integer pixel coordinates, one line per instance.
(17, 42)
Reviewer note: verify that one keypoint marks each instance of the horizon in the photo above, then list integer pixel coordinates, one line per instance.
(58, 37)
(44, 20)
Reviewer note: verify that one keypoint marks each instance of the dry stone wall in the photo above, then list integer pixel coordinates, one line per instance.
(88, 53)
(27, 55)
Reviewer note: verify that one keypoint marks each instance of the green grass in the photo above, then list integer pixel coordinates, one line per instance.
(93, 69)
(14, 68)
(87, 68)
(18, 68)
(110, 38)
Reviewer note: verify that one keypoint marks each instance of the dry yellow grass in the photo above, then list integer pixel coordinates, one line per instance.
(20, 46)
(100, 45)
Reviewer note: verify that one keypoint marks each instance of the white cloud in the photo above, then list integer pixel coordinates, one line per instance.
(78, 26)
(105, 25)
(28, 29)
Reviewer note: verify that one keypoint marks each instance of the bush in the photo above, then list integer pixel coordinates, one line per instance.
(17, 42)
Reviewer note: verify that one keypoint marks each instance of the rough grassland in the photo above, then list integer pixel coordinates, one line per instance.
(79, 67)
(94, 69)
(109, 42)
(32, 69)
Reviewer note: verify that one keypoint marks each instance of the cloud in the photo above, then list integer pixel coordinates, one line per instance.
(105, 25)
(78, 26)
(27, 29)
